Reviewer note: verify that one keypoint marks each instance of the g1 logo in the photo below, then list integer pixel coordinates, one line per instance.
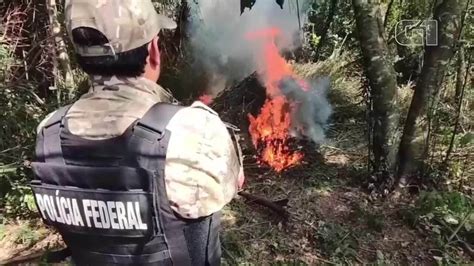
(417, 32)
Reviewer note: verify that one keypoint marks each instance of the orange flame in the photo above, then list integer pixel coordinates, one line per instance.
(270, 129)
(206, 99)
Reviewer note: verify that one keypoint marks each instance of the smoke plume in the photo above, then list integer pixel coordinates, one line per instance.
(223, 50)
(310, 118)
(218, 36)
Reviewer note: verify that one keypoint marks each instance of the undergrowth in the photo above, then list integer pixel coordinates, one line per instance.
(27, 235)
(22, 109)
(373, 220)
(448, 217)
(337, 242)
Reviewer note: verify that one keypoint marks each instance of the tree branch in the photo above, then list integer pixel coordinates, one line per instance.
(459, 97)
(387, 14)
(276, 206)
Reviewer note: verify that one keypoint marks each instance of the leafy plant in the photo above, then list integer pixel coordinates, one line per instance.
(337, 242)
(467, 139)
(232, 249)
(448, 215)
(374, 221)
(6, 59)
(381, 259)
(27, 235)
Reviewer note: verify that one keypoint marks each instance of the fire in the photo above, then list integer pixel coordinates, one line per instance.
(270, 129)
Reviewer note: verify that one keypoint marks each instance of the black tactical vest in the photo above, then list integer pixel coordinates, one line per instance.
(107, 198)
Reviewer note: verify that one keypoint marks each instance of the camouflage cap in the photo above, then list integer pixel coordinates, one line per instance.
(127, 24)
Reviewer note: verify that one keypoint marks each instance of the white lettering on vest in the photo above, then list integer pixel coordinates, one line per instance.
(139, 217)
(86, 205)
(113, 215)
(67, 215)
(121, 215)
(49, 210)
(69, 207)
(104, 215)
(57, 210)
(41, 207)
(77, 213)
(98, 214)
(132, 220)
(95, 214)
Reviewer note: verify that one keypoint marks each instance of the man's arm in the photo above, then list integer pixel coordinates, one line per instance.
(203, 169)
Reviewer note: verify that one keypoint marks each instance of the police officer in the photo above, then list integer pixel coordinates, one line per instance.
(125, 176)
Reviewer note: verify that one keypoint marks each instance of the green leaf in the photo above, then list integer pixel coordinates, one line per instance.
(9, 168)
(467, 139)
(468, 226)
(30, 202)
(380, 256)
(450, 219)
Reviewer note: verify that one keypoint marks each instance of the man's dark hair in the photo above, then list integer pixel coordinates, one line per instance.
(127, 64)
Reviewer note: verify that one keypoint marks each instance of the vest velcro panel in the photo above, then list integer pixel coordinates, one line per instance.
(120, 178)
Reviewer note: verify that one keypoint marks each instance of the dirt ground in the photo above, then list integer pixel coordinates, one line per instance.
(332, 220)
(329, 223)
(26, 241)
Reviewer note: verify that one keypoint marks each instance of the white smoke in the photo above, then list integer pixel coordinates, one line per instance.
(311, 116)
(218, 33)
(218, 38)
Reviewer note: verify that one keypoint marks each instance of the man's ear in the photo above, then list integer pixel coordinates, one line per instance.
(154, 53)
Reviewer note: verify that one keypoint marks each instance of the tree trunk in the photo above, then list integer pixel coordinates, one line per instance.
(62, 64)
(383, 86)
(436, 59)
(327, 25)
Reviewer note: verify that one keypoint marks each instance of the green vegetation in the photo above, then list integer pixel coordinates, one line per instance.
(450, 215)
(449, 218)
(337, 242)
(26, 235)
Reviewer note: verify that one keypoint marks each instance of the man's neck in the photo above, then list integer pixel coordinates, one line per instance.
(141, 83)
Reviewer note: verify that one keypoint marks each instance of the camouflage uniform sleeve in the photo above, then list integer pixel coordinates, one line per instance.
(202, 166)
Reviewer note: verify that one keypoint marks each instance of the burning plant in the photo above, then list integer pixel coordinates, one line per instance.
(274, 129)
(231, 46)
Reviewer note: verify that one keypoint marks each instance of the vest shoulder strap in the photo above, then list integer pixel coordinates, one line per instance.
(51, 134)
(58, 116)
(148, 136)
(158, 117)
